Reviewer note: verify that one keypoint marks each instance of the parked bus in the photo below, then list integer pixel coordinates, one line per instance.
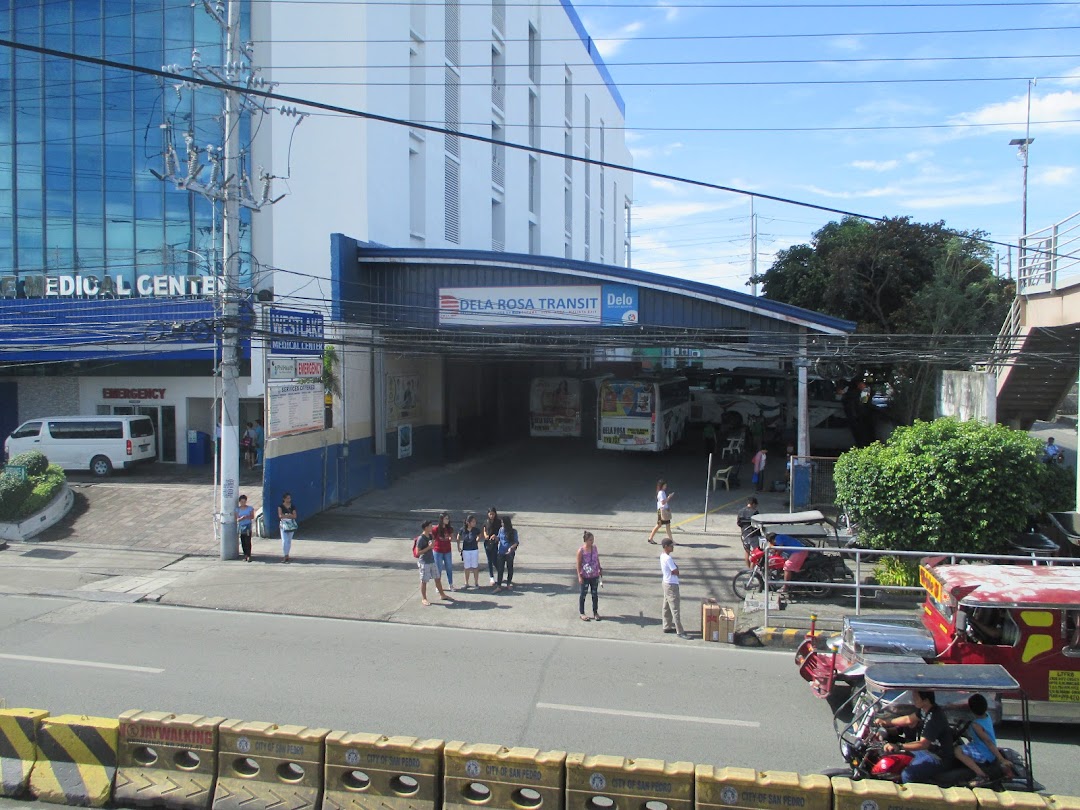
(563, 406)
(644, 414)
(731, 398)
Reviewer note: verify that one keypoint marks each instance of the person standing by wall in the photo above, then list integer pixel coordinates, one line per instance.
(491, 542)
(588, 575)
(444, 554)
(759, 461)
(244, 515)
(670, 615)
(663, 510)
(508, 545)
(260, 438)
(469, 547)
(287, 520)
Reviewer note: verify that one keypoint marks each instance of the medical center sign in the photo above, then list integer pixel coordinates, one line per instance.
(586, 305)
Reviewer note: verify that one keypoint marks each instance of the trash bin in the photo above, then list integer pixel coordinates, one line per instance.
(199, 449)
(1035, 544)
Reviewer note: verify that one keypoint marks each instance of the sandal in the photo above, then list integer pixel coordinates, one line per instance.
(980, 781)
(584, 618)
(596, 617)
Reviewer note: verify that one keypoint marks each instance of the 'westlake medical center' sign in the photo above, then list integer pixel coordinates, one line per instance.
(91, 286)
(585, 305)
(295, 332)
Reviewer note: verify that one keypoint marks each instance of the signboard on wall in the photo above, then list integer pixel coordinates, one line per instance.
(295, 332)
(404, 441)
(402, 397)
(295, 408)
(579, 305)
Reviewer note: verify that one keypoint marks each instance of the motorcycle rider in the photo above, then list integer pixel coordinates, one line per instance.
(933, 743)
(794, 560)
(746, 528)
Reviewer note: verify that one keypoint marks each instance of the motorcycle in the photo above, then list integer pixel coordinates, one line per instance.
(812, 579)
(888, 693)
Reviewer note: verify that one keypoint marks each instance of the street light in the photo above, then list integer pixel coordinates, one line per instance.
(1022, 146)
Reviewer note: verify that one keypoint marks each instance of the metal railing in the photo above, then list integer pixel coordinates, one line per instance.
(1049, 257)
(870, 555)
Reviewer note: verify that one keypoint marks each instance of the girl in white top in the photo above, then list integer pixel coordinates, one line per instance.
(663, 510)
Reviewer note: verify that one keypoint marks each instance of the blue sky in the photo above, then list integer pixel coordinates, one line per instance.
(888, 148)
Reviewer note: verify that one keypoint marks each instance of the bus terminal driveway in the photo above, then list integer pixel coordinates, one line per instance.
(356, 561)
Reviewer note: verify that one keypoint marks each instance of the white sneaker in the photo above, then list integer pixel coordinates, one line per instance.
(491, 580)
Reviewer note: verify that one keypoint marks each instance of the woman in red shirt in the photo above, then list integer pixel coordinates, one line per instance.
(444, 557)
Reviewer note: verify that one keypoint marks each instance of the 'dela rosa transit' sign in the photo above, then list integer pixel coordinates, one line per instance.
(577, 305)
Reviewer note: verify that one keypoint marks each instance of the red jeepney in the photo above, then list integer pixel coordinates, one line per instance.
(1026, 618)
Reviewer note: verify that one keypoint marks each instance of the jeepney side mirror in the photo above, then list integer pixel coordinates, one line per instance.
(961, 622)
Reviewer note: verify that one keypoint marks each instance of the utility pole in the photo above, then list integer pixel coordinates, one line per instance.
(230, 344)
(753, 247)
(229, 183)
(1023, 146)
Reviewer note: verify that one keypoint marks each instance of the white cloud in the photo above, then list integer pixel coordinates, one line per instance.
(971, 197)
(656, 214)
(663, 185)
(1054, 176)
(640, 153)
(869, 193)
(1013, 113)
(875, 165)
(846, 44)
(671, 13)
(612, 42)
(918, 156)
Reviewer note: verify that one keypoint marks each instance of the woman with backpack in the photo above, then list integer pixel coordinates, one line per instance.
(508, 544)
(444, 555)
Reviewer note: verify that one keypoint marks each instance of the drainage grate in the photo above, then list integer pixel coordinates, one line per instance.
(48, 553)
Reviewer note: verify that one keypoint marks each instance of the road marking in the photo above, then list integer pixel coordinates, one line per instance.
(695, 518)
(72, 662)
(681, 718)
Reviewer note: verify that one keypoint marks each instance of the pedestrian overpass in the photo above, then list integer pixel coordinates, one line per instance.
(1039, 345)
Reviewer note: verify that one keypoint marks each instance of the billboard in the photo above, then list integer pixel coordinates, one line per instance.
(296, 332)
(577, 305)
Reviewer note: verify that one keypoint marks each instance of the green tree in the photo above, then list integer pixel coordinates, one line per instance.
(895, 277)
(944, 485)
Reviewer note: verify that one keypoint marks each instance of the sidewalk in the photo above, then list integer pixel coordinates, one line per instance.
(355, 562)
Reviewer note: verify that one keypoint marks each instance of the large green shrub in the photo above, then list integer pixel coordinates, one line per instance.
(944, 485)
(13, 493)
(33, 460)
(46, 487)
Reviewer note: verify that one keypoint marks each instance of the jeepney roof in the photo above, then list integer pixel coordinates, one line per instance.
(789, 518)
(1011, 585)
(920, 675)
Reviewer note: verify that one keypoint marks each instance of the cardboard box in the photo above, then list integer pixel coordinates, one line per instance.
(717, 623)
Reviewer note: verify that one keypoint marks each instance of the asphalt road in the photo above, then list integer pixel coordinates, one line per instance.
(710, 704)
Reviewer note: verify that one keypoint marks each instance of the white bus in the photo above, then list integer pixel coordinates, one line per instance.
(644, 414)
(563, 406)
(731, 398)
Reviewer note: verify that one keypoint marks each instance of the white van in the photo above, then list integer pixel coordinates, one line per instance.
(96, 443)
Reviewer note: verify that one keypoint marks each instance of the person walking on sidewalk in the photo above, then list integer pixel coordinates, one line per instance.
(424, 551)
(663, 511)
(468, 541)
(287, 520)
(508, 544)
(491, 542)
(670, 615)
(758, 462)
(588, 575)
(444, 553)
(244, 515)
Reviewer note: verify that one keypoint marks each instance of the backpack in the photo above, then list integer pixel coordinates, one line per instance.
(415, 547)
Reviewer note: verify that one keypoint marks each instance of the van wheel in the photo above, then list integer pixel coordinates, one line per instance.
(100, 465)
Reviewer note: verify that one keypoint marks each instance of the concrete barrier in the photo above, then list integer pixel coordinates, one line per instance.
(872, 794)
(1008, 800)
(167, 760)
(628, 784)
(747, 789)
(373, 772)
(263, 765)
(502, 778)
(76, 760)
(18, 748)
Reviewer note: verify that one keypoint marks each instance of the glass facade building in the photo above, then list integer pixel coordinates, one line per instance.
(78, 141)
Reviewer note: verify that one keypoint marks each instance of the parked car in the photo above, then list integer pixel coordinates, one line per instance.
(96, 443)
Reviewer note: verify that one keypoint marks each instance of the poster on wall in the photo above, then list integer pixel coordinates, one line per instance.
(404, 441)
(295, 409)
(402, 397)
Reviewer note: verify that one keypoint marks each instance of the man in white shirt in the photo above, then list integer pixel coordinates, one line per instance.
(670, 612)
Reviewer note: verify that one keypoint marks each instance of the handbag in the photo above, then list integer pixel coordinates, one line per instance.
(288, 524)
(665, 514)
